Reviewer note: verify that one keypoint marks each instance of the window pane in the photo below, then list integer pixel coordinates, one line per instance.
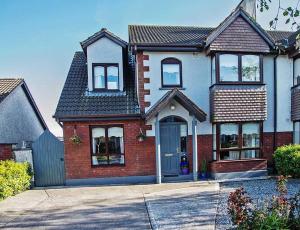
(115, 140)
(171, 74)
(112, 77)
(116, 159)
(250, 68)
(183, 139)
(98, 135)
(251, 137)
(100, 160)
(250, 154)
(229, 135)
(229, 155)
(229, 67)
(99, 80)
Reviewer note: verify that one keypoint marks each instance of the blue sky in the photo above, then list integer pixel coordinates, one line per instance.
(38, 37)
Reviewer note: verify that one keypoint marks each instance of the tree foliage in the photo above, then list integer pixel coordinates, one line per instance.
(291, 14)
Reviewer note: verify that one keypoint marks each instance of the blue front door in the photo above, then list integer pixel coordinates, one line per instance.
(170, 148)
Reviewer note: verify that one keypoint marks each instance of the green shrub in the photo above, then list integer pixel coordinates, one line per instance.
(14, 178)
(287, 160)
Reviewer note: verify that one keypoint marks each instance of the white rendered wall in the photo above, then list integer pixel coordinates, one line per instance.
(268, 72)
(104, 51)
(284, 84)
(196, 80)
(296, 69)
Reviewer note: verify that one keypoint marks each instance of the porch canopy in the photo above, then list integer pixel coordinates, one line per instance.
(178, 96)
(193, 110)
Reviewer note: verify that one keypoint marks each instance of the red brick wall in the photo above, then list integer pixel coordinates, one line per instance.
(142, 80)
(5, 152)
(139, 156)
(238, 166)
(282, 138)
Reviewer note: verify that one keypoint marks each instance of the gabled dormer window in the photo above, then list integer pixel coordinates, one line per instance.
(239, 68)
(105, 76)
(171, 71)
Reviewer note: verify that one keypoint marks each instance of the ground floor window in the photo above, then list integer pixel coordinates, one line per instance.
(236, 141)
(296, 134)
(107, 145)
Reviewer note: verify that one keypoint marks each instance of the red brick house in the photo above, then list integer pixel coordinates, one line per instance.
(140, 108)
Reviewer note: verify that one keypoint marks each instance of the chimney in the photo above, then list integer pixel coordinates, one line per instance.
(249, 6)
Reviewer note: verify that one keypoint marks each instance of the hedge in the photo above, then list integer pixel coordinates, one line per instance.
(287, 160)
(14, 178)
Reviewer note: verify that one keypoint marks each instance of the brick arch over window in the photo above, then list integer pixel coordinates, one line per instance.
(170, 61)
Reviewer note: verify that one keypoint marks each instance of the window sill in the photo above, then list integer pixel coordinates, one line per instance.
(170, 88)
(110, 165)
(239, 160)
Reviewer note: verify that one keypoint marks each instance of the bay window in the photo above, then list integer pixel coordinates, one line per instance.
(239, 140)
(239, 68)
(105, 76)
(107, 145)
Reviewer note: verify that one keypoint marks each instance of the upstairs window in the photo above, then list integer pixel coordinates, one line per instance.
(105, 76)
(238, 68)
(171, 72)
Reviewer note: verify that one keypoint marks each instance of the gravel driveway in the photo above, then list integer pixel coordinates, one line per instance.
(105, 207)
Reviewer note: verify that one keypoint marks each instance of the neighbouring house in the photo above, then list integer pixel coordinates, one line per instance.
(223, 95)
(20, 120)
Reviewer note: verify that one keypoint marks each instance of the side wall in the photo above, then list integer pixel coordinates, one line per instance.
(18, 120)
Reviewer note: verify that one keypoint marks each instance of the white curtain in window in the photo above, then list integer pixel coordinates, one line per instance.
(99, 81)
(97, 132)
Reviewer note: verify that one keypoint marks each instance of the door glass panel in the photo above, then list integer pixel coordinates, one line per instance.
(99, 80)
(229, 67)
(112, 77)
(183, 137)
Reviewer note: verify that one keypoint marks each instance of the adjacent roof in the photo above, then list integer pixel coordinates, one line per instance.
(151, 35)
(102, 33)
(77, 102)
(192, 36)
(8, 85)
(292, 38)
(177, 95)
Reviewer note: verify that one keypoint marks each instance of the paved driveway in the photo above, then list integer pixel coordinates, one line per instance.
(103, 207)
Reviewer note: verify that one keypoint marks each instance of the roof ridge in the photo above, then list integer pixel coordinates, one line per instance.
(153, 25)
